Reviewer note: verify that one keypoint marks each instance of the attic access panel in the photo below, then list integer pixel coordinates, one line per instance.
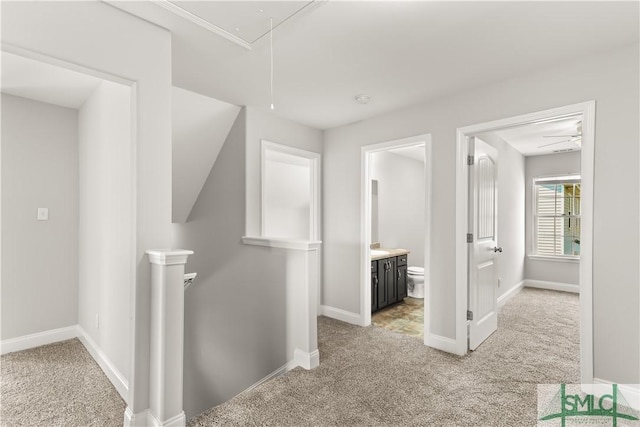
(246, 20)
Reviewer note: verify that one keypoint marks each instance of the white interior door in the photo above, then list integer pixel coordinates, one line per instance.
(483, 225)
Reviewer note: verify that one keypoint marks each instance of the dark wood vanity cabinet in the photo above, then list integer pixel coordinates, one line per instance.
(388, 281)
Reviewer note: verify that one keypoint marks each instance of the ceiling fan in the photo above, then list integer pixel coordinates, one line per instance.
(576, 138)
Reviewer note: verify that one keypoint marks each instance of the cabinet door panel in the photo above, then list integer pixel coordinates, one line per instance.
(382, 285)
(390, 281)
(374, 291)
(401, 280)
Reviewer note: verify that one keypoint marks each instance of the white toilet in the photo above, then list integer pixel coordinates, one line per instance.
(415, 283)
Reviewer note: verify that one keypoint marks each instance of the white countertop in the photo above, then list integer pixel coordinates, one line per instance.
(381, 253)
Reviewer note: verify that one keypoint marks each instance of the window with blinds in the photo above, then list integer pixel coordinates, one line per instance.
(557, 216)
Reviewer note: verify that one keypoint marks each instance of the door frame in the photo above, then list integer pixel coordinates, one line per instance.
(365, 214)
(587, 109)
(315, 166)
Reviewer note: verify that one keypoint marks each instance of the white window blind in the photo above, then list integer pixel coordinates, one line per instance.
(557, 216)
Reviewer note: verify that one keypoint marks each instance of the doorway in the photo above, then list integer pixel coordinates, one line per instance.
(465, 140)
(103, 175)
(372, 216)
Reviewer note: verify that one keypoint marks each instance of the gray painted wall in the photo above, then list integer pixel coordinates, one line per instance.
(39, 258)
(552, 164)
(401, 209)
(235, 312)
(612, 80)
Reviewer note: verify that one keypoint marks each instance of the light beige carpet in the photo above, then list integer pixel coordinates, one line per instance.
(373, 377)
(367, 377)
(57, 385)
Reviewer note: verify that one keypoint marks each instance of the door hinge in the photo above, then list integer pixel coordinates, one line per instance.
(470, 160)
(469, 238)
(469, 315)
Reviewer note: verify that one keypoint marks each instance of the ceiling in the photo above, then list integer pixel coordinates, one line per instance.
(44, 82)
(546, 137)
(401, 53)
(242, 22)
(414, 152)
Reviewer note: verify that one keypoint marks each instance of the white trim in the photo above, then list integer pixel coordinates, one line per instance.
(461, 251)
(587, 155)
(179, 420)
(365, 223)
(177, 10)
(631, 392)
(342, 315)
(133, 243)
(567, 259)
(442, 343)
(553, 286)
(38, 339)
(141, 419)
(274, 242)
(37, 56)
(115, 376)
(168, 256)
(306, 360)
(505, 297)
(278, 372)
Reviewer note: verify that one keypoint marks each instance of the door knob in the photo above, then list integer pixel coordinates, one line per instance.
(497, 249)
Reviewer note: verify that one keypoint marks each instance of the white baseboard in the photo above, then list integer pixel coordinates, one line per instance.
(342, 315)
(554, 286)
(115, 376)
(141, 419)
(280, 371)
(502, 299)
(631, 392)
(306, 360)
(179, 420)
(36, 340)
(441, 343)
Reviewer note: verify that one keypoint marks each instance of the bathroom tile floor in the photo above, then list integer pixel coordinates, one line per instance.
(406, 317)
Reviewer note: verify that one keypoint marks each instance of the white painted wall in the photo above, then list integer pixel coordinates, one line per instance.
(511, 213)
(200, 126)
(537, 166)
(121, 45)
(401, 205)
(236, 310)
(39, 258)
(287, 199)
(612, 80)
(106, 225)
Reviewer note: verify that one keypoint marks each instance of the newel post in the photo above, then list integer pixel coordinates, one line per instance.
(167, 336)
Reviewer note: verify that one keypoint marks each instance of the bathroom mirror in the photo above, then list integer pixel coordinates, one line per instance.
(374, 211)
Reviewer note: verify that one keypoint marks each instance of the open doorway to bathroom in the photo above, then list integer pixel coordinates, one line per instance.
(396, 191)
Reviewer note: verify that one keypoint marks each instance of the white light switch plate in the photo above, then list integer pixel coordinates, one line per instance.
(43, 214)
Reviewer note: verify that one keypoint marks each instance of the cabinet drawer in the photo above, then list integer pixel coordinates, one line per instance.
(402, 260)
(374, 266)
